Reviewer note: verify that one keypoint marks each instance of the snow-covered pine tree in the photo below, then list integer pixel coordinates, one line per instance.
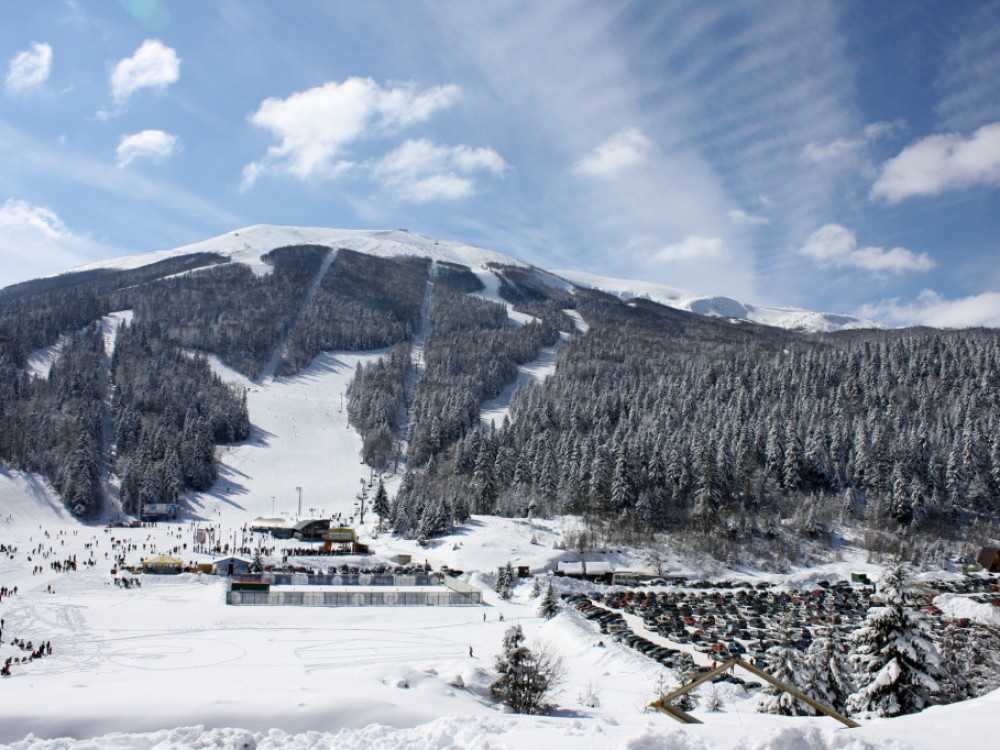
(828, 678)
(549, 606)
(785, 663)
(712, 701)
(536, 587)
(525, 677)
(896, 666)
(971, 657)
(505, 581)
(381, 504)
(685, 670)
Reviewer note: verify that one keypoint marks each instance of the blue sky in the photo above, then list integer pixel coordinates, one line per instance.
(839, 156)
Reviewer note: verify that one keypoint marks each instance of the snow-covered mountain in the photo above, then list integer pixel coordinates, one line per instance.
(247, 245)
(196, 673)
(792, 318)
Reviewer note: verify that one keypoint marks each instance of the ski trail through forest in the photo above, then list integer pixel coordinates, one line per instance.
(417, 357)
(109, 329)
(282, 348)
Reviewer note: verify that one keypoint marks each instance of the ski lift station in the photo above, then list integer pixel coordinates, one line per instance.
(352, 590)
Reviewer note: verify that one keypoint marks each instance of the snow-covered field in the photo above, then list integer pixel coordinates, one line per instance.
(129, 667)
(172, 654)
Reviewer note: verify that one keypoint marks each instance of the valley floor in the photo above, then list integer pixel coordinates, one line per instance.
(129, 666)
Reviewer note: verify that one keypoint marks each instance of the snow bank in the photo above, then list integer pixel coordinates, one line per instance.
(27, 500)
(957, 606)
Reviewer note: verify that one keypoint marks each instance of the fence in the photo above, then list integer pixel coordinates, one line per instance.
(401, 591)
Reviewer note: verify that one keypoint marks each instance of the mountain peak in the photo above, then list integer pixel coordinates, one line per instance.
(248, 244)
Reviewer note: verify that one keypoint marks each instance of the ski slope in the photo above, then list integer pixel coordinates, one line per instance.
(300, 438)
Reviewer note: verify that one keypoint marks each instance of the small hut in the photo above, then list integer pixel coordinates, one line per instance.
(228, 566)
(989, 559)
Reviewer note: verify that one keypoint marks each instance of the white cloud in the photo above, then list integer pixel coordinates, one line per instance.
(694, 248)
(436, 187)
(837, 246)
(625, 149)
(876, 130)
(739, 216)
(421, 171)
(840, 148)
(932, 309)
(941, 162)
(837, 149)
(20, 151)
(154, 65)
(315, 126)
(33, 240)
(30, 68)
(148, 144)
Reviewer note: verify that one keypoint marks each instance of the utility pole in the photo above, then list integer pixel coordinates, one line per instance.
(299, 489)
(361, 501)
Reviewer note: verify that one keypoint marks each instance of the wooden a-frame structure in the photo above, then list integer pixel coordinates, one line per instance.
(664, 704)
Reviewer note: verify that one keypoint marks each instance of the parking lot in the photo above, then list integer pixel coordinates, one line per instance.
(715, 621)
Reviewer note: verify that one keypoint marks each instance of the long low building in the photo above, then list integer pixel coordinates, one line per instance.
(451, 593)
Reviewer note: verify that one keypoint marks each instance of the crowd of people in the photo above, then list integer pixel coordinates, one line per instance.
(31, 650)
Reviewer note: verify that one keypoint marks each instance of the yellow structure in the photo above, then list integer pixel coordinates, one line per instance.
(162, 564)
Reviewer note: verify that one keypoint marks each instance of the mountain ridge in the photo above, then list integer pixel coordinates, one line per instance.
(248, 244)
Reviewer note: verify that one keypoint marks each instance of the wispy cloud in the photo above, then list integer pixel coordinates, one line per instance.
(933, 309)
(29, 69)
(33, 239)
(624, 150)
(156, 145)
(20, 152)
(315, 127)
(841, 148)
(969, 78)
(836, 246)
(420, 171)
(739, 216)
(728, 94)
(939, 163)
(693, 249)
(153, 66)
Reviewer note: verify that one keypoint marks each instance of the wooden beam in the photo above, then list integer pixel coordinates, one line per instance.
(696, 682)
(797, 694)
(664, 703)
(682, 716)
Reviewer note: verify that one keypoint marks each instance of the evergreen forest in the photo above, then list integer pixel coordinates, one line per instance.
(748, 442)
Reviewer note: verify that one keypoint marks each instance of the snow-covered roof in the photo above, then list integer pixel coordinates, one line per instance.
(590, 568)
